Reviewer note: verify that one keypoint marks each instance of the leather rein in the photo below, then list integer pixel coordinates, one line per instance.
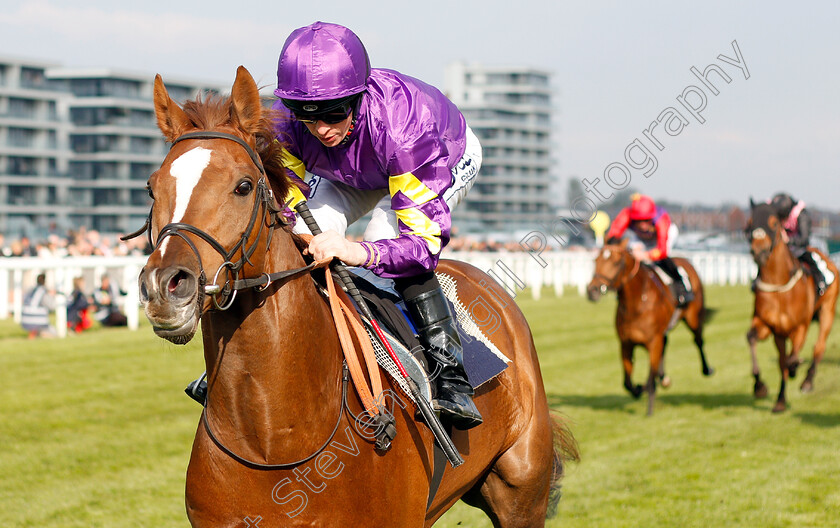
(263, 202)
(613, 283)
(224, 295)
(795, 274)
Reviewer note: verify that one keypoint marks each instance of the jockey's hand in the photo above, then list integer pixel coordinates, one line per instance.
(330, 244)
(654, 254)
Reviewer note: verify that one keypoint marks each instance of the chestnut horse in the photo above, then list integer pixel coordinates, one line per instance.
(785, 302)
(274, 441)
(646, 312)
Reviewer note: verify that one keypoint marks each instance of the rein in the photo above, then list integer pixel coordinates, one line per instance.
(760, 285)
(613, 282)
(263, 202)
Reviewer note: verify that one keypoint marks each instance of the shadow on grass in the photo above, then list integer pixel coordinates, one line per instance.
(627, 404)
(819, 419)
(603, 402)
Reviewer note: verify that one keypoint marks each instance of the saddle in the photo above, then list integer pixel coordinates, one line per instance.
(482, 359)
(667, 281)
(827, 274)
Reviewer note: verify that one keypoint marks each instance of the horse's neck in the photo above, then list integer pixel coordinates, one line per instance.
(634, 279)
(780, 265)
(273, 366)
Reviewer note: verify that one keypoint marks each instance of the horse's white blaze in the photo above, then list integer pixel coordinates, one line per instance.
(187, 171)
(607, 253)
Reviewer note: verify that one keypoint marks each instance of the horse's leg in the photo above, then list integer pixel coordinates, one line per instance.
(515, 492)
(781, 346)
(797, 341)
(655, 347)
(826, 318)
(627, 362)
(694, 321)
(664, 379)
(758, 332)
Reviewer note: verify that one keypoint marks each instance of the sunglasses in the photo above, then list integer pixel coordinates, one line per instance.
(330, 118)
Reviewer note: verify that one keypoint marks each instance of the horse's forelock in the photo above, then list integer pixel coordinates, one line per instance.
(214, 111)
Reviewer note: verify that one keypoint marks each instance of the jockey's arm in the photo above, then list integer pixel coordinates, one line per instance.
(661, 250)
(804, 230)
(619, 225)
(424, 222)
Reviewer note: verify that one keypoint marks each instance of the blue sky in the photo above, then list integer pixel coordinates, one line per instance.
(616, 66)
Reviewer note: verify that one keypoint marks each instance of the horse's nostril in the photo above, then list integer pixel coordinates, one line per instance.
(144, 292)
(179, 284)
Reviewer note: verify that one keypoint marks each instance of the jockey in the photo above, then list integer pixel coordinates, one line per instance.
(652, 224)
(797, 223)
(368, 139)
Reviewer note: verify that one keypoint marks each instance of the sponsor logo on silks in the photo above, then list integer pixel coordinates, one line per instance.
(313, 185)
(310, 108)
(465, 170)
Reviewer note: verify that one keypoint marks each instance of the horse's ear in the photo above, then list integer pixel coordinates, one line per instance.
(245, 107)
(752, 203)
(623, 244)
(171, 119)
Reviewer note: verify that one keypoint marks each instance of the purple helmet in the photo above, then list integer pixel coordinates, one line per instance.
(322, 62)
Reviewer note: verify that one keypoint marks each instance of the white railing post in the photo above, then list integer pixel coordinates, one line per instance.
(4, 293)
(17, 295)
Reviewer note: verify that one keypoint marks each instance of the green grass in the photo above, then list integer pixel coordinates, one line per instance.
(95, 431)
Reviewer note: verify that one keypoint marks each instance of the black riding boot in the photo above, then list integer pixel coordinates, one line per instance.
(684, 295)
(819, 279)
(436, 327)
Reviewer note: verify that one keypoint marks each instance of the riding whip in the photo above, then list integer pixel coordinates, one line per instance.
(426, 410)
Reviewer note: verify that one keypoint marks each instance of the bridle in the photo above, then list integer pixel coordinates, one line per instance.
(264, 204)
(760, 233)
(795, 273)
(615, 282)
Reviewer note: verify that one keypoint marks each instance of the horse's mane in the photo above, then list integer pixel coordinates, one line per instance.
(214, 111)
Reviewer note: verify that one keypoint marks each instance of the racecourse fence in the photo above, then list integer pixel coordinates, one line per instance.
(557, 270)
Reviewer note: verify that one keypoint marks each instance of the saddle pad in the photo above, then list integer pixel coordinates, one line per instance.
(482, 359)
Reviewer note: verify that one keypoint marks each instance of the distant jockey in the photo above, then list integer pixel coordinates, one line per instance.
(652, 225)
(797, 224)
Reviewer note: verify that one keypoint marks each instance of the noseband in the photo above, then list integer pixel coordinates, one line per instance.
(224, 295)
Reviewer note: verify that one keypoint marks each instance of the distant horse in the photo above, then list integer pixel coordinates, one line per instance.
(276, 440)
(646, 312)
(785, 302)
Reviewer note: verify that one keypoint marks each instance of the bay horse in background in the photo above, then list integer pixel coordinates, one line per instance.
(785, 302)
(274, 441)
(646, 312)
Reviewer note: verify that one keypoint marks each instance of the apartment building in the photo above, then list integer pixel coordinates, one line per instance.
(77, 146)
(510, 110)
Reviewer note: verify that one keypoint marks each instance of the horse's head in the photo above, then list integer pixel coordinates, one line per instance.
(213, 211)
(762, 231)
(611, 266)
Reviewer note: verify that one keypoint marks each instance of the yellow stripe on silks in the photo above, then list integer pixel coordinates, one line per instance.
(296, 166)
(422, 226)
(293, 164)
(410, 186)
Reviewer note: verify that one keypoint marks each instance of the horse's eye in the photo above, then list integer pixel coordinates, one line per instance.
(244, 188)
(149, 190)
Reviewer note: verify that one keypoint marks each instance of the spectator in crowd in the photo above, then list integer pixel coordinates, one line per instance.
(78, 307)
(5, 251)
(37, 305)
(107, 310)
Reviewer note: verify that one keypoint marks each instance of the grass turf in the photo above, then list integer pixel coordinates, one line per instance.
(95, 430)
